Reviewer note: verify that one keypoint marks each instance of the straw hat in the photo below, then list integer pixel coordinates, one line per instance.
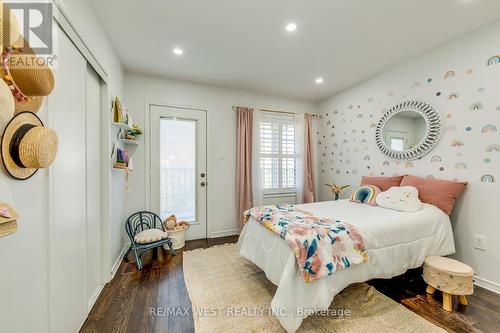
(28, 77)
(8, 219)
(6, 105)
(9, 31)
(27, 146)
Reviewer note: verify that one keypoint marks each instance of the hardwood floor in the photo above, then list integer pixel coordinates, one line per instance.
(135, 301)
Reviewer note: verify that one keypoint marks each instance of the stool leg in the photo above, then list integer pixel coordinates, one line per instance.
(430, 290)
(462, 299)
(447, 302)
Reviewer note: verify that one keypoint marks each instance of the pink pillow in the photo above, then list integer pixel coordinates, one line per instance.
(440, 193)
(383, 183)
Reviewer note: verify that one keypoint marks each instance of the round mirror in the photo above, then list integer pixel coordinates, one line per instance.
(404, 130)
(408, 130)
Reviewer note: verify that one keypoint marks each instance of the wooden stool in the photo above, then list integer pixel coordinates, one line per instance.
(451, 277)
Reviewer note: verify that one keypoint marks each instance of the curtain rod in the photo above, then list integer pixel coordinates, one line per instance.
(278, 111)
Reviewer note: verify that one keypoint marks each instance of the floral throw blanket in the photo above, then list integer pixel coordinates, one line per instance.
(321, 246)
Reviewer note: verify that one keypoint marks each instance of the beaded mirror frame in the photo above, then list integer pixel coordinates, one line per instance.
(432, 134)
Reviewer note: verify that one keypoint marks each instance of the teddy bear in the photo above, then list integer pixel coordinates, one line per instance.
(170, 222)
(182, 225)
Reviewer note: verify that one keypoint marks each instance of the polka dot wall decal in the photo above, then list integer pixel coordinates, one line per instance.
(457, 143)
(416, 85)
(481, 89)
(449, 115)
(489, 129)
(449, 75)
(390, 93)
(335, 112)
(487, 179)
(487, 160)
(381, 173)
(498, 108)
(429, 80)
(373, 125)
(468, 129)
(460, 166)
(469, 71)
(452, 96)
(441, 169)
(354, 172)
(438, 94)
(328, 122)
(476, 106)
(351, 106)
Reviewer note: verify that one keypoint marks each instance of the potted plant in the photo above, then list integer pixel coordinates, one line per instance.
(133, 133)
(337, 189)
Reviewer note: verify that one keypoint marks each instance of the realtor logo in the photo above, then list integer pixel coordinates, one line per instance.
(35, 24)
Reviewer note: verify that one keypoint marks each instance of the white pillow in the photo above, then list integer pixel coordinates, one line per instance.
(403, 199)
(150, 235)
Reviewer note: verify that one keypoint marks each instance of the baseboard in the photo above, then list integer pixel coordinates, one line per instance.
(95, 297)
(117, 263)
(486, 284)
(223, 233)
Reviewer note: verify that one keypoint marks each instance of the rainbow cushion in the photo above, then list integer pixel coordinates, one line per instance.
(366, 194)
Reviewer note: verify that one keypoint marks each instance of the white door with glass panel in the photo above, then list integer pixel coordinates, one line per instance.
(178, 166)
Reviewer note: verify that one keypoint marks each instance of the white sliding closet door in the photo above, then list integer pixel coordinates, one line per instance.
(68, 296)
(94, 182)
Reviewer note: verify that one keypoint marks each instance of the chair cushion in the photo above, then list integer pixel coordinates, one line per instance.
(150, 235)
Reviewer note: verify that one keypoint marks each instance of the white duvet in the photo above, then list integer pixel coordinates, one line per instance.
(396, 241)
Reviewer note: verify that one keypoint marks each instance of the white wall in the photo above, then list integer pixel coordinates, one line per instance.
(221, 136)
(24, 255)
(348, 150)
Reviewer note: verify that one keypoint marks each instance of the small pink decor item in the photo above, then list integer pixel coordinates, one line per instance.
(437, 192)
(383, 183)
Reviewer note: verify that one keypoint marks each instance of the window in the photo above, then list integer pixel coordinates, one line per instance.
(277, 153)
(397, 144)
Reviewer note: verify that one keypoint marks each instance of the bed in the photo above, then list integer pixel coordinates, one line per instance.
(395, 241)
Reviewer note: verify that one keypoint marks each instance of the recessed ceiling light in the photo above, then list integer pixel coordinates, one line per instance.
(290, 27)
(177, 51)
(319, 80)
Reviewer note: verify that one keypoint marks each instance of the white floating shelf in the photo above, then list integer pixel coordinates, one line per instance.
(122, 126)
(129, 142)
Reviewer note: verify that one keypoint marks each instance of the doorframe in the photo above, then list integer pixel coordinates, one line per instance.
(147, 151)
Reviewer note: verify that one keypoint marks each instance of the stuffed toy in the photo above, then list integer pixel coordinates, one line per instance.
(182, 225)
(170, 222)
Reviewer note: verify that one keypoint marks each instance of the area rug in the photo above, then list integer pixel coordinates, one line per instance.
(230, 294)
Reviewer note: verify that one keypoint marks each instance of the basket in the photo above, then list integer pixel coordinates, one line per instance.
(178, 238)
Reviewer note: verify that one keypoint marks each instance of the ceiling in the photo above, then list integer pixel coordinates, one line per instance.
(244, 44)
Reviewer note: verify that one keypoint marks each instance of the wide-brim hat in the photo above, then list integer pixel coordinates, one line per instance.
(8, 224)
(32, 105)
(9, 28)
(27, 146)
(6, 106)
(28, 74)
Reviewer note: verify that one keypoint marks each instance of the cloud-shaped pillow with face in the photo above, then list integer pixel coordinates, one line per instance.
(403, 199)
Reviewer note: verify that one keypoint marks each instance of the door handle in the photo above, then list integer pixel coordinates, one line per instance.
(202, 184)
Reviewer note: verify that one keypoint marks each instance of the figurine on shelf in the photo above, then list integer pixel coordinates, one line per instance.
(337, 189)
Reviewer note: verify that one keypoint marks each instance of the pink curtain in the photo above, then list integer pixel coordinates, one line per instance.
(244, 124)
(308, 160)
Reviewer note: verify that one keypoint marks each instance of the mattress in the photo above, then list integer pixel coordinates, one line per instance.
(395, 241)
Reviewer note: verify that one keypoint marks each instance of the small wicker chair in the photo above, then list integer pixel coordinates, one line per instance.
(138, 222)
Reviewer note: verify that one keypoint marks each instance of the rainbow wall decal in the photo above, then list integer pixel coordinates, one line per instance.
(386, 163)
(476, 106)
(487, 179)
(449, 75)
(451, 129)
(408, 165)
(416, 85)
(493, 147)
(436, 159)
(457, 143)
(461, 166)
(494, 60)
(490, 128)
(371, 100)
(360, 115)
(364, 141)
(453, 96)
